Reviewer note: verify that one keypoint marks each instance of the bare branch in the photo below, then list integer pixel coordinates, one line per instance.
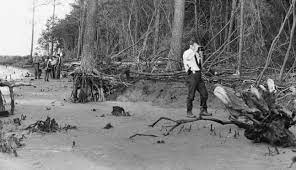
(139, 134)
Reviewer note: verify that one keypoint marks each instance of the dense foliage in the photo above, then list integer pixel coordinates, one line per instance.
(143, 30)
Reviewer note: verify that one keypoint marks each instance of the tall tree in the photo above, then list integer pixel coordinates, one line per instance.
(156, 25)
(82, 12)
(230, 30)
(241, 43)
(53, 21)
(88, 52)
(290, 44)
(176, 40)
(33, 28)
(275, 40)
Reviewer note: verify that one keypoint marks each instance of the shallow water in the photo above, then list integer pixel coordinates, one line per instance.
(11, 73)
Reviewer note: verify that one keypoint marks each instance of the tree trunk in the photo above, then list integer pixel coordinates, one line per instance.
(88, 54)
(233, 9)
(52, 37)
(136, 7)
(2, 107)
(290, 45)
(255, 111)
(267, 121)
(81, 28)
(226, 19)
(156, 25)
(33, 27)
(85, 89)
(195, 17)
(274, 42)
(12, 106)
(241, 43)
(176, 40)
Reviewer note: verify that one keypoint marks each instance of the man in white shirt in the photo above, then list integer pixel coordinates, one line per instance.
(47, 68)
(36, 64)
(53, 66)
(192, 59)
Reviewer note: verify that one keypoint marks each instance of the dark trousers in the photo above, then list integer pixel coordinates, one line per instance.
(36, 69)
(58, 71)
(47, 72)
(196, 83)
(52, 74)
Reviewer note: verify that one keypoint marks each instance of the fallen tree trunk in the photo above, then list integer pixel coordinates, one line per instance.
(270, 122)
(254, 110)
(10, 86)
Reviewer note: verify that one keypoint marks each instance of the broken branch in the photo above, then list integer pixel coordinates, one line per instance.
(139, 134)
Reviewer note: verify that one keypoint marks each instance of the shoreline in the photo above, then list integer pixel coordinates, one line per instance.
(13, 73)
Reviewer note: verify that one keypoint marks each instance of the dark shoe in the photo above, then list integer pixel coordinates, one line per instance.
(204, 112)
(190, 115)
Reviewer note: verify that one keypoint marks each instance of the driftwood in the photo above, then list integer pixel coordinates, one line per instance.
(254, 110)
(48, 126)
(10, 143)
(269, 122)
(184, 121)
(10, 86)
(140, 134)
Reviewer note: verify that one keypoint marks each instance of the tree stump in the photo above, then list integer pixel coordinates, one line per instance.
(254, 110)
(270, 122)
(119, 111)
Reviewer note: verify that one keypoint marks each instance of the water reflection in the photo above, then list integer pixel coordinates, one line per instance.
(11, 73)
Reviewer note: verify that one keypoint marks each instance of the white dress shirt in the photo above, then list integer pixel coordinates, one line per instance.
(48, 63)
(54, 62)
(189, 60)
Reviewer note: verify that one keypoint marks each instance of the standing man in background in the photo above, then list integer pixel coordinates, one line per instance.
(36, 64)
(47, 68)
(192, 60)
(58, 66)
(53, 67)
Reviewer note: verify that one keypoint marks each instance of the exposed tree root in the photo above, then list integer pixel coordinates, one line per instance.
(256, 111)
(184, 121)
(9, 144)
(87, 88)
(94, 86)
(48, 126)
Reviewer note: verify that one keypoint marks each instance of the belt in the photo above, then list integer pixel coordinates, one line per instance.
(195, 71)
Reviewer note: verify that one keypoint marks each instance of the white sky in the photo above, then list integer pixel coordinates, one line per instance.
(16, 23)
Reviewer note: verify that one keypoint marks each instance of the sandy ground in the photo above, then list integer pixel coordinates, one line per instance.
(100, 149)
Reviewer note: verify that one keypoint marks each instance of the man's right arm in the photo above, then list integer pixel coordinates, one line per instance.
(185, 62)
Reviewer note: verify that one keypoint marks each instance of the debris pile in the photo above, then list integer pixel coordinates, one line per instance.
(119, 111)
(9, 143)
(108, 126)
(48, 126)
